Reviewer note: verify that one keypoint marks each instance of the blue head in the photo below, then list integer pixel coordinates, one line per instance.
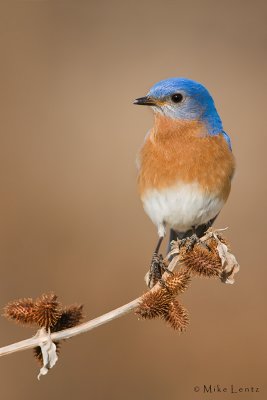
(184, 99)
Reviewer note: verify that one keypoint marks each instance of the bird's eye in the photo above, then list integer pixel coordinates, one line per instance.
(177, 98)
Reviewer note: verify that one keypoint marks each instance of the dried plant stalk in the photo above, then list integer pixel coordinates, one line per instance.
(176, 315)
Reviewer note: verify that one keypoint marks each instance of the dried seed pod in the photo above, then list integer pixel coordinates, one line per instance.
(177, 282)
(37, 353)
(177, 316)
(47, 310)
(70, 316)
(154, 303)
(21, 311)
(202, 261)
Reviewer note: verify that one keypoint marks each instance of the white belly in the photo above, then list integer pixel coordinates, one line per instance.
(181, 207)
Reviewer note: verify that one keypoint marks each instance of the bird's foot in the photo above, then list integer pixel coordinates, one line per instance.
(157, 269)
(193, 240)
(183, 242)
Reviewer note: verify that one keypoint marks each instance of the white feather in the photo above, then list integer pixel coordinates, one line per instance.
(181, 207)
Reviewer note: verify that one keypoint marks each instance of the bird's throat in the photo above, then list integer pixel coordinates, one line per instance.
(166, 128)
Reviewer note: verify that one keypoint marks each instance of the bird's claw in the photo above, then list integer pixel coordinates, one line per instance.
(157, 269)
(193, 240)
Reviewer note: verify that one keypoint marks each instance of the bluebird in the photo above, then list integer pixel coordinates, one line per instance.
(186, 164)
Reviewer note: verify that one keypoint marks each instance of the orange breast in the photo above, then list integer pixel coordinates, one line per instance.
(176, 151)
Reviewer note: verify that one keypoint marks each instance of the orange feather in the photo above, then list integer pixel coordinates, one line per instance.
(182, 151)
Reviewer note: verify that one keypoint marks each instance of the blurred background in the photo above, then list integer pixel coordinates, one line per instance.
(71, 219)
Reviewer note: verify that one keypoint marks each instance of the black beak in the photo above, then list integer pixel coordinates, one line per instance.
(145, 101)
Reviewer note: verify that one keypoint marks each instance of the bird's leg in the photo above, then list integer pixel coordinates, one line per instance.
(155, 270)
(157, 266)
(158, 245)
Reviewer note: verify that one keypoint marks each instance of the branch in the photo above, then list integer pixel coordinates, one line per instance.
(229, 267)
(68, 333)
(82, 328)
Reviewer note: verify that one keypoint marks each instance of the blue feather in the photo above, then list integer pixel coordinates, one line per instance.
(198, 104)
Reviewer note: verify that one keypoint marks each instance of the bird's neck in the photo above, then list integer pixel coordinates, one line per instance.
(166, 128)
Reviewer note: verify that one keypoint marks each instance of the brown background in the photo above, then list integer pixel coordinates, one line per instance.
(71, 220)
